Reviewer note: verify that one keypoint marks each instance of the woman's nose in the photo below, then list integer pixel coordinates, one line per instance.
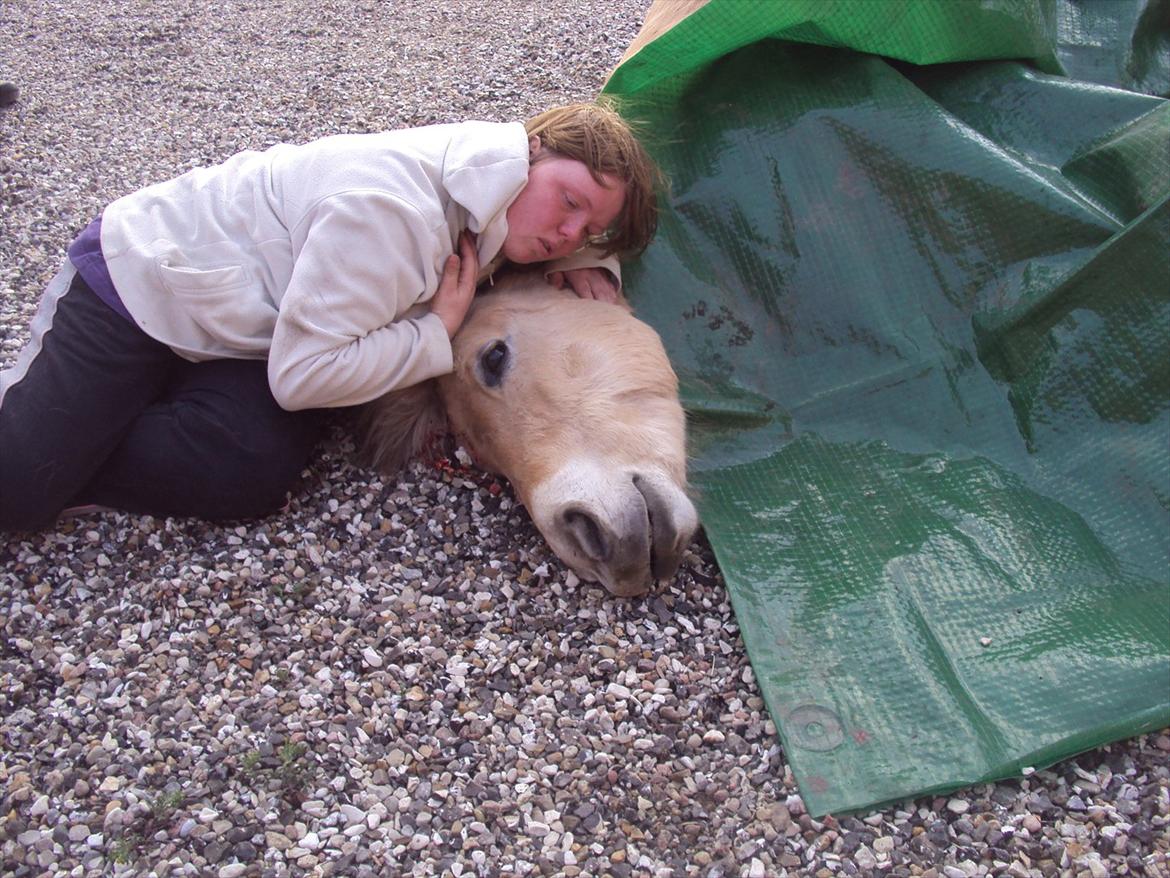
(573, 229)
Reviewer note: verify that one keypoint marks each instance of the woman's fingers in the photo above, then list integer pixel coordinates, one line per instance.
(457, 285)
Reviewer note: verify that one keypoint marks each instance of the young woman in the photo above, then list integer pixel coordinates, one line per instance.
(181, 361)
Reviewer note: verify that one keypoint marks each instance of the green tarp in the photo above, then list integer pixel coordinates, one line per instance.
(916, 281)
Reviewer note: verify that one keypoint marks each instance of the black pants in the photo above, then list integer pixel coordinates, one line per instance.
(96, 411)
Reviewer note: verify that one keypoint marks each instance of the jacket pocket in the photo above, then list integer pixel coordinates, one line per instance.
(225, 302)
(181, 279)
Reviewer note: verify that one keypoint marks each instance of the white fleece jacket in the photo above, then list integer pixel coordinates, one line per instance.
(311, 255)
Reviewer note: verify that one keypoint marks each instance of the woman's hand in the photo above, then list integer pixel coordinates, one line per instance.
(588, 283)
(457, 286)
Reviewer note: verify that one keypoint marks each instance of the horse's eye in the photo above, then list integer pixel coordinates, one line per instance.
(493, 362)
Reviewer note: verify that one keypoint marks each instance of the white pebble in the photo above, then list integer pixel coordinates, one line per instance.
(864, 858)
(314, 808)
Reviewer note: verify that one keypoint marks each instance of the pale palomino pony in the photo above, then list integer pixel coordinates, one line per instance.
(576, 404)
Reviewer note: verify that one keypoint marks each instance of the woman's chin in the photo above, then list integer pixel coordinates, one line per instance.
(517, 258)
(526, 257)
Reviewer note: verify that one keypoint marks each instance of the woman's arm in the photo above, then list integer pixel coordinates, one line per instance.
(343, 336)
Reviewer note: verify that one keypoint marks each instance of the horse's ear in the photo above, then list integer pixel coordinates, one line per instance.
(393, 428)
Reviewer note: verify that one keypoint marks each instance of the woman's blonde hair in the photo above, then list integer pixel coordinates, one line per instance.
(596, 135)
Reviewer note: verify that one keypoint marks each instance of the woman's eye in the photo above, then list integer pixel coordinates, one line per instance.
(493, 362)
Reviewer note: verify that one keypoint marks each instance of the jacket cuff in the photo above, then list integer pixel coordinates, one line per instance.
(433, 338)
(590, 257)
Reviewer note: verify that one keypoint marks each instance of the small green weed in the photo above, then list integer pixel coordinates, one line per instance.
(164, 806)
(251, 761)
(288, 766)
(125, 850)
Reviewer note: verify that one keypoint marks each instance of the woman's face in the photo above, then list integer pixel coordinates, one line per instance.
(559, 209)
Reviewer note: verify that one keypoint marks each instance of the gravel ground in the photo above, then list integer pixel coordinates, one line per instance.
(396, 677)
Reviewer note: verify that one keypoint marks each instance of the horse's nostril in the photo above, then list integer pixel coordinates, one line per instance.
(666, 546)
(588, 534)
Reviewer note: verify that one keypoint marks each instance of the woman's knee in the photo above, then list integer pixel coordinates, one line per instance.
(254, 479)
